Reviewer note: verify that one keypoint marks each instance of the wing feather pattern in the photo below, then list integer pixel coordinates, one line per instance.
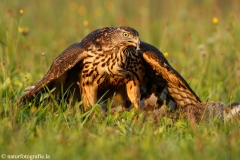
(178, 88)
(63, 63)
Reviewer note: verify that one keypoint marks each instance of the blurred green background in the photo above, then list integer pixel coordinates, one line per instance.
(200, 39)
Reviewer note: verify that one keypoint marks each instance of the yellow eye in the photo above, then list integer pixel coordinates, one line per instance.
(125, 34)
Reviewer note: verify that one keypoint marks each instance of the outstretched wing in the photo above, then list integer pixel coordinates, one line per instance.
(57, 72)
(160, 73)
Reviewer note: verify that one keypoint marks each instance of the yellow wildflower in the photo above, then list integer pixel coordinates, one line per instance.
(21, 11)
(23, 30)
(215, 20)
(85, 22)
(165, 54)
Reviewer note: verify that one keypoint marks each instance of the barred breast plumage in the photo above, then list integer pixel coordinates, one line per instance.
(103, 72)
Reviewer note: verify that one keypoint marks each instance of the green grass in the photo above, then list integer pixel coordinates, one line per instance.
(176, 27)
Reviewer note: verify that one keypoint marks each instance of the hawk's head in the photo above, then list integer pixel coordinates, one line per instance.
(109, 37)
(126, 36)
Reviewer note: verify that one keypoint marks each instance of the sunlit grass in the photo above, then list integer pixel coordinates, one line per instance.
(199, 39)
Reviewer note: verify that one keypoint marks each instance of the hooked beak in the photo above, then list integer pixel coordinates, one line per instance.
(136, 43)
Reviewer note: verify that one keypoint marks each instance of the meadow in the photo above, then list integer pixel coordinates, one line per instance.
(200, 39)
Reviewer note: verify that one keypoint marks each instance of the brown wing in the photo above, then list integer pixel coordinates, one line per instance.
(160, 72)
(57, 72)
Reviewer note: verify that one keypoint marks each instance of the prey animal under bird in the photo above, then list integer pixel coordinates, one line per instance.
(113, 59)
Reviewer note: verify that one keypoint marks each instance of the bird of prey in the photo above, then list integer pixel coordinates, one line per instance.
(113, 59)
